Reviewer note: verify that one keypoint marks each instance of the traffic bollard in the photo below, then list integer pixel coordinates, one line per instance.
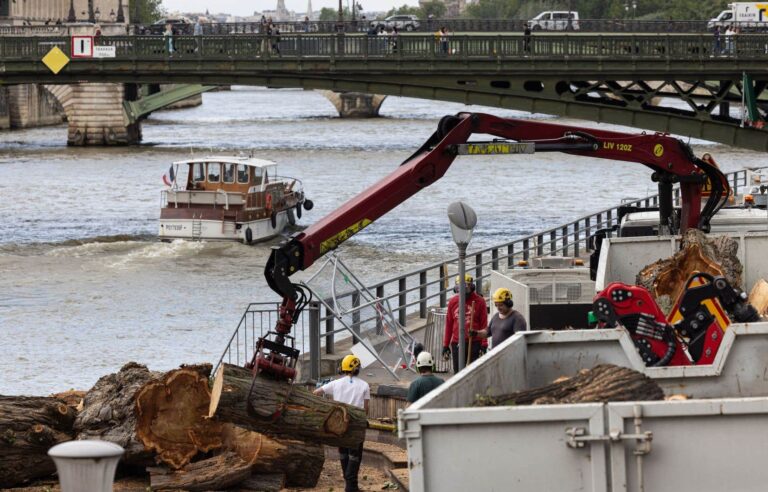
(86, 466)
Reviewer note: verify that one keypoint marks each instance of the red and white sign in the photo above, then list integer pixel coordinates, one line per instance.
(82, 46)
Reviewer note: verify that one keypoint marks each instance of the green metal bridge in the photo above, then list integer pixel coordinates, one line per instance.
(678, 83)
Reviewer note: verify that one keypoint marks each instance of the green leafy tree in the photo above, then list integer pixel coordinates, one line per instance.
(145, 11)
(404, 10)
(329, 14)
(494, 9)
(435, 8)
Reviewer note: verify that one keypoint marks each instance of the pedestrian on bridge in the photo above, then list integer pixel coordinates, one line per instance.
(443, 36)
(394, 37)
(168, 38)
(717, 47)
(527, 38)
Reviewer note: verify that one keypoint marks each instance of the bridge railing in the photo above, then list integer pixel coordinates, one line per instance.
(459, 47)
(432, 25)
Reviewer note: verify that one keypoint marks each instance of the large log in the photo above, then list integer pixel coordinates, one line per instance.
(300, 461)
(665, 279)
(108, 412)
(603, 383)
(29, 427)
(279, 409)
(273, 482)
(220, 472)
(171, 416)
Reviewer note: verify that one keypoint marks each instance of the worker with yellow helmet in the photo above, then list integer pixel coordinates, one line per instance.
(506, 322)
(476, 316)
(352, 390)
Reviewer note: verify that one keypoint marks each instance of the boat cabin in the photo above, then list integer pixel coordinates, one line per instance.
(237, 175)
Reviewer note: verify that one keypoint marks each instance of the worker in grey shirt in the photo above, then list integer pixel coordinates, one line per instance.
(505, 323)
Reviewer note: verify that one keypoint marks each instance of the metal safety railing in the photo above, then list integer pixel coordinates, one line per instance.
(460, 47)
(418, 25)
(414, 293)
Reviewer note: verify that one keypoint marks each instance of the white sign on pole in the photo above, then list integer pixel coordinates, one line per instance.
(104, 52)
(82, 46)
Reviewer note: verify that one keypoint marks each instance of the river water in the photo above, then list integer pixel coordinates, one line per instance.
(85, 286)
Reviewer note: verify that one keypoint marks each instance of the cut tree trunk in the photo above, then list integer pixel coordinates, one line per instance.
(108, 412)
(758, 297)
(300, 461)
(220, 472)
(279, 409)
(666, 278)
(603, 383)
(29, 427)
(274, 482)
(171, 416)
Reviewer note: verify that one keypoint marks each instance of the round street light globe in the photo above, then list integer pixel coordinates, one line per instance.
(463, 219)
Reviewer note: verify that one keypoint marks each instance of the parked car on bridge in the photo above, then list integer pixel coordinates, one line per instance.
(555, 21)
(401, 22)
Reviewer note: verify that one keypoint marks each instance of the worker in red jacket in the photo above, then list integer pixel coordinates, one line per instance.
(476, 316)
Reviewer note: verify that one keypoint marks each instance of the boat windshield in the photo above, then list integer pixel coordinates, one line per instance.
(242, 173)
(229, 173)
(198, 172)
(214, 172)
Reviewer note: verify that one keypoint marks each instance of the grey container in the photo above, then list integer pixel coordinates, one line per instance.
(715, 441)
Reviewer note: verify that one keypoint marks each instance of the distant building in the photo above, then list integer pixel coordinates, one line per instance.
(42, 11)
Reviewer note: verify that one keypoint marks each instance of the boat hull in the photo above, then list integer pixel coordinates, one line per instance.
(221, 230)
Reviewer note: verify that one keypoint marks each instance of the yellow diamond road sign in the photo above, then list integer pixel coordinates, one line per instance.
(55, 60)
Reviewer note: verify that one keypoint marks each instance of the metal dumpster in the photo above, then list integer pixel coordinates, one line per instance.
(714, 441)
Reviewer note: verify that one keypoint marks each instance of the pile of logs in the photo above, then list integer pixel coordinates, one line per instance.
(253, 434)
(602, 383)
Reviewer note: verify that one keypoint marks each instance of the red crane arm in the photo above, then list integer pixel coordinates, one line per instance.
(671, 159)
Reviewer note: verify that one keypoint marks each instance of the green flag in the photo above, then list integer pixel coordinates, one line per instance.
(751, 114)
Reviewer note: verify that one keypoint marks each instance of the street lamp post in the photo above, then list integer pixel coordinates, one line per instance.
(463, 220)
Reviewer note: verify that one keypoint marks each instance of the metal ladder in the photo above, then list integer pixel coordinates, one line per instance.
(197, 228)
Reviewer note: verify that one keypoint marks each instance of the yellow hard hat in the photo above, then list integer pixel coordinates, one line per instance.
(502, 294)
(350, 363)
(468, 279)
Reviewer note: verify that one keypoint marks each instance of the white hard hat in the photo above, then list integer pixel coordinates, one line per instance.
(424, 360)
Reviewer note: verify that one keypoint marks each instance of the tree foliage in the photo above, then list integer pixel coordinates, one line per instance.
(145, 11)
(435, 8)
(404, 10)
(494, 9)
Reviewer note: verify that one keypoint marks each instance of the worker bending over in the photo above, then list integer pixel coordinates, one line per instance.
(476, 318)
(505, 323)
(352, 390)
(426, 381)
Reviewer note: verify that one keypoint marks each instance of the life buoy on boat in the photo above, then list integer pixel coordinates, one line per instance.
(273, 219)
(248, 235)
(268, 201)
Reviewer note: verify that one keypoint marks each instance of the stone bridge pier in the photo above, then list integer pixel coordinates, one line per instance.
(355, 104)
(95, 114)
